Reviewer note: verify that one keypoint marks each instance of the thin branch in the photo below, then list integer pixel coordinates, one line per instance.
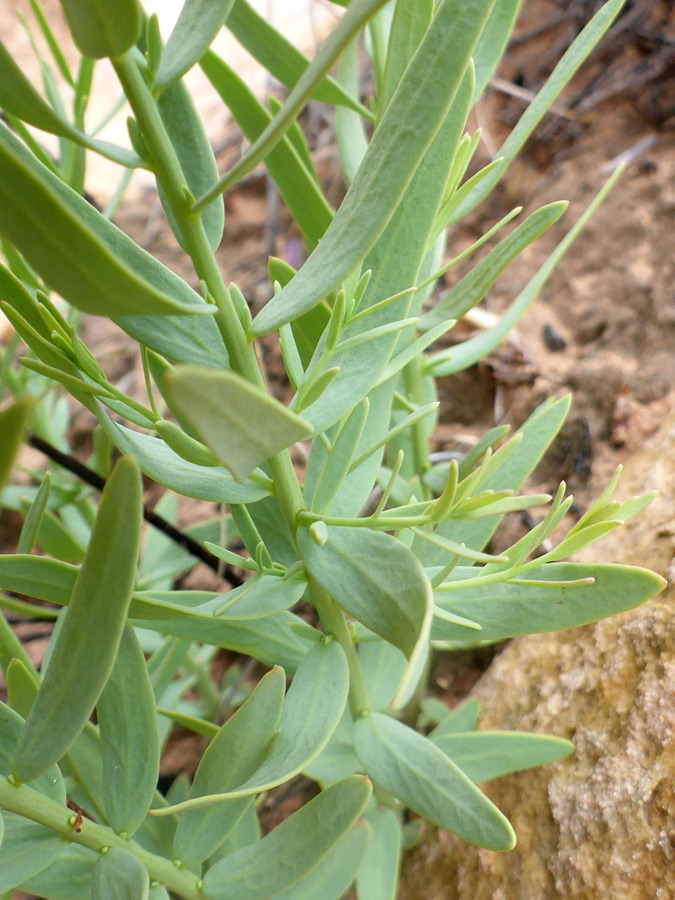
(88, 476)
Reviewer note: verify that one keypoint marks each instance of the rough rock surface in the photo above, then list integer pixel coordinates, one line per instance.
(601, 824)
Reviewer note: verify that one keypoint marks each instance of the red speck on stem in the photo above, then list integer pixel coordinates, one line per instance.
(78, 822)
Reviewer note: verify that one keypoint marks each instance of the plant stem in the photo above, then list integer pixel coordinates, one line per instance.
(241, 353)
(29, 803)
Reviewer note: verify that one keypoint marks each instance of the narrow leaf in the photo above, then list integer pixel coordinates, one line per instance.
(350, 24)
(198, 24)
(33, 517)
(13, 424)
(266, 868)
(127, 720)
(459, 720)
(420, 775)
(578, 51)
(240, 423)
(398, 145)
(234, 754)
(193, 149)
(378, 875)
(493, 41)
(281, 58)
(95, 618)
(483, 755)
(473, 287)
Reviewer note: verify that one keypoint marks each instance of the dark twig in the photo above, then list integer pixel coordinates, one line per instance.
(88, 476)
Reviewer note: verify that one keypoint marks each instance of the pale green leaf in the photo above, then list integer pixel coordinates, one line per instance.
(350, 24)
(234, 754)
(493, 41)
(193, 150)
(198, 24)
(471, 289)
(85, 650)
(118, 875)
(27, 848)
(408, 26)
(378, 581)
(578, 51)
(240, 423)
(506, 610)
(483, 755)
(33, 517)
(378, 875)
(415, 771)
(280, 57)
(266, 868)
(67, 878)
(127, 720)
(461, 719)
(336, 871)
(13, 424)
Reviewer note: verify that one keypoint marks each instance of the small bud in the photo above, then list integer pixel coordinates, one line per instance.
(319, 533)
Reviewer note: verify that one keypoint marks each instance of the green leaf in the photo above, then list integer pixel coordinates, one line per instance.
(188, 137)
(415, 771)
(408, 26)
(493, 42)
(313, 707)
(280, 57)
(336, 871)
(378, 875)
(338, 459)
(394, 154)
(461, 719)
(13, 424)
(471, 289)
(27, 848)
(239, 422)
(300, 192)
(383, 666)
(22, 687)
(85, 650)
(2, 830)
(349, 132)
(127, 720)
(19, 98)
(33, 517)
(337, 760)
(578, 51)
(198, 24)
(163, 465)
(506, 610)
(350, 24)
(76, 250)
(100, 29)
(232, 757)
(118, 875)
(37, 576)
(266, 868)
(50, 783)
(55, 538)
(377, 580)
(483, 755)
(67, 878)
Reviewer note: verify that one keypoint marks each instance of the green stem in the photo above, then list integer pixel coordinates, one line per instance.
(27, 802)
(241, 353)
